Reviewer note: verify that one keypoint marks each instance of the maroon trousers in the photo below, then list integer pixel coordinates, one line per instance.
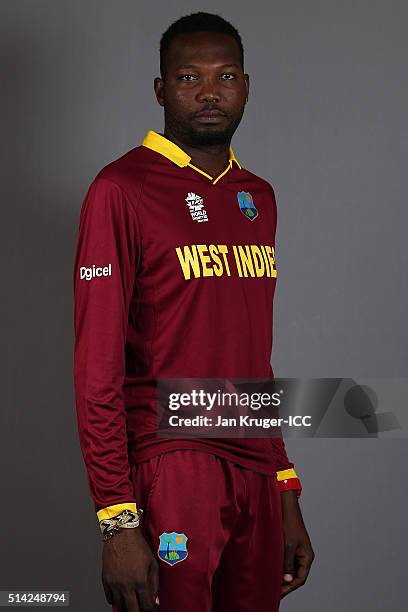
(216, 530)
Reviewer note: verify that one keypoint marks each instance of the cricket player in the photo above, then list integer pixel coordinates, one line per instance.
(174, 277)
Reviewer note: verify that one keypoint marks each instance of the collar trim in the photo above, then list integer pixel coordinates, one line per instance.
(169, 149)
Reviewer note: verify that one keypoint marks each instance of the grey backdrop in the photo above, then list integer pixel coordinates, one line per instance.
(326, 124)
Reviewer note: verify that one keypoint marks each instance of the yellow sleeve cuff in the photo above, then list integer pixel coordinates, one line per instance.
(111, 511)
(286, 474)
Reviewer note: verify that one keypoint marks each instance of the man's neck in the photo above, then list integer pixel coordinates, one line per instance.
(212, 159)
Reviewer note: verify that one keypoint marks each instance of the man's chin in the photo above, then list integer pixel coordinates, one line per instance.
(209, 135)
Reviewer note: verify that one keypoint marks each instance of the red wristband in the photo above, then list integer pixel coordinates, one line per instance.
(288, 480)
(290, 484)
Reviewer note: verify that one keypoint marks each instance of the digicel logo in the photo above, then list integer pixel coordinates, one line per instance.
(90, 273)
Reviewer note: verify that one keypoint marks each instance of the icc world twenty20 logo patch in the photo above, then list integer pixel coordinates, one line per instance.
(173, 547)
(246, 205)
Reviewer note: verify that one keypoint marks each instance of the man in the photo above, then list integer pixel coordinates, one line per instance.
(174, 276)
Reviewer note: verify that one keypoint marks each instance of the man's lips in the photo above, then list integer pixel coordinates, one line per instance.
(210, 112)
(209, 116)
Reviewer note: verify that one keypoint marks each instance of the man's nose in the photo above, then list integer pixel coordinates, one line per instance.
(209, 91)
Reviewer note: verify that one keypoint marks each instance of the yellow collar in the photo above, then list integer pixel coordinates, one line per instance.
(169, 149)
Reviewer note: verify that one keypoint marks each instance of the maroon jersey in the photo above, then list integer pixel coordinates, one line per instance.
(174, 276)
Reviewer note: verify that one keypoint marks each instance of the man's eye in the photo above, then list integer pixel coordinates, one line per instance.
(229, 76)
(187, 77)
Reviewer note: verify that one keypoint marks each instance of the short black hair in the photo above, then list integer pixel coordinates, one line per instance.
(197, 22)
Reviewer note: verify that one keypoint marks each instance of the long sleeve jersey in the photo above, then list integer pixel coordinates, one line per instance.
(174, 276)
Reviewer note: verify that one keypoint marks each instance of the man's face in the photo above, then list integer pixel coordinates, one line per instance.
(204, 88)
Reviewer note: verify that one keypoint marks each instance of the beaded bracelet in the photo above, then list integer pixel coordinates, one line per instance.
(125, 520)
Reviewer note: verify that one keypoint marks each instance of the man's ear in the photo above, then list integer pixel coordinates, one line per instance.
(159, 90)
(246, 77)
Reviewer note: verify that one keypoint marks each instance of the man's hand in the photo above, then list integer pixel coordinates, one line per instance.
(299, 554)
(130, 573)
